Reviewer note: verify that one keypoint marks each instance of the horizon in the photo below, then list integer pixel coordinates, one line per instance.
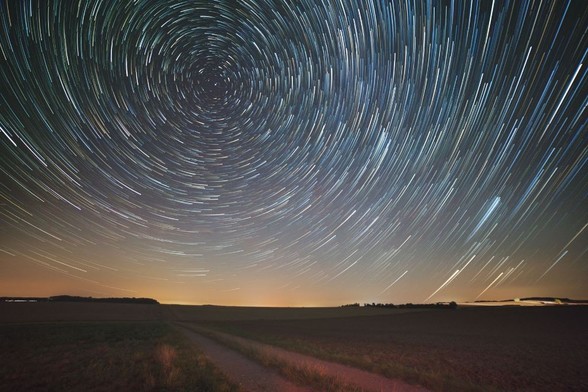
(294, 155)
(352, 304)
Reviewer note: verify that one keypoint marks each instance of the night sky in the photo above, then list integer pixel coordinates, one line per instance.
(262, 152)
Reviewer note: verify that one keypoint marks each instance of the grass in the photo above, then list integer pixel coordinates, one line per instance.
(77, 311)
(539, 349)
(233, 313)
(301, 375)
(98, 356)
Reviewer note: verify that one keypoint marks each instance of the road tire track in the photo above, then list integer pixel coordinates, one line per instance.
(248, 374)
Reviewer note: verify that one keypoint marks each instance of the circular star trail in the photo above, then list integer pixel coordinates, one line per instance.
(258, 151)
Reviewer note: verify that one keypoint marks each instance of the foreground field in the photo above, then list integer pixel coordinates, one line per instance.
(77, 311)
(533, 349)
(136, 348)
(98, 356)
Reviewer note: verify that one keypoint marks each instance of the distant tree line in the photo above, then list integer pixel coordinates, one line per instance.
(24, 299)
(125, 300)
(560, 300)
(438, 305)
(73, 298)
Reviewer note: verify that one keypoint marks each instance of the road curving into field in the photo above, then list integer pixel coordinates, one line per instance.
(248, 374)
(345, 375)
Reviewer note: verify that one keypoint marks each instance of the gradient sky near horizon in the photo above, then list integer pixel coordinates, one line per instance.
(263, 152)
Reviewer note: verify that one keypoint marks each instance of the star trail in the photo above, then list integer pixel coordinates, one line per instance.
(262, 152)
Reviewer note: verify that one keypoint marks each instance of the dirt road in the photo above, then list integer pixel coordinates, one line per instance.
(249, 375)
(345, 374)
